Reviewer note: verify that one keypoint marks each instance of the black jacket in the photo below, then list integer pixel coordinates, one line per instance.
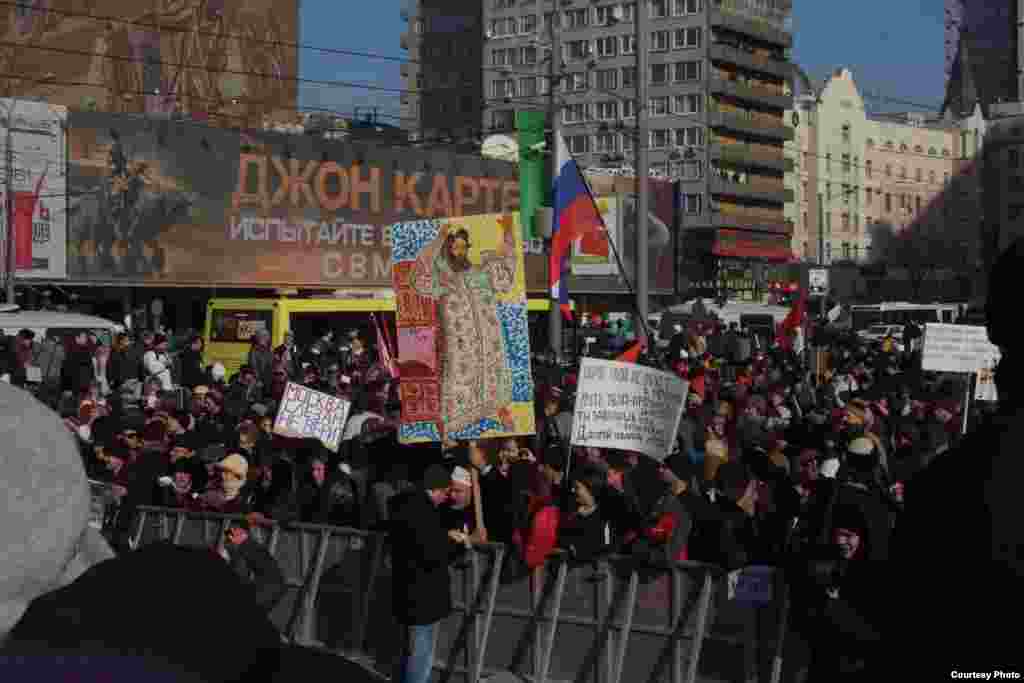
(259, 570)
(421, 552)
(192, 374)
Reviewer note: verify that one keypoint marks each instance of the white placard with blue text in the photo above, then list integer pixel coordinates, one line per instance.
(305, 413)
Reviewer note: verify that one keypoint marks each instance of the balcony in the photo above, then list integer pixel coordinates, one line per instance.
(748, 25)
(721, 52)
(767, 222)
(752, 156)
(754, 125)
(751, 93)
(761, 189)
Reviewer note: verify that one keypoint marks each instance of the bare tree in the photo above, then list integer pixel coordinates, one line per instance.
(923, 250)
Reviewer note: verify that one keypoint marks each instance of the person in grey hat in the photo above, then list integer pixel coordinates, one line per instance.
(46, 538)
(421, 550)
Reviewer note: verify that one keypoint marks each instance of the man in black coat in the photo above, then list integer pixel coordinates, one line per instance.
(254, 564)
(421, 550)
(959, 545)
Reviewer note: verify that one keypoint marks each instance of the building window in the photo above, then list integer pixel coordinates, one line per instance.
(888, 203)
(917, 204)
(503, 88)
(903, 172)
(692, 204)
(918, 149)
(660, 138)
(502, 120)
(888, 170)
(687, 38)
(628, 11)
(578, 144)
(627, 142)
(659, 9)
(689, 137)
(577, 50)
(828, 223)
(575, 113)
(945, 178)
(805, 190)
(903, 147)
(867, 168)
(606, 111)
(577, 18)
(628, 109)
(1012, 157)
(805, 220)
(828, 163)
(603, 16)
(498, 57)
(687, 104)
(828, 191)
(931, 177)
(659, 169)
(608, 79)
(629, 77)
(846, 251)
(856, 224)
(846, 222)
(660, 41)
(606, 143)
(607, 47)
(870, 143)
(846, 193)
(867, 196)
(687, 71)
(529, 23)
(528, 55)
(846, 132)
(577, 81)
(528, 86)
(846, 163)
(657, 106)
(692, 170)
(918, 175)
(683, 7)
(628, 45)
(659, 74)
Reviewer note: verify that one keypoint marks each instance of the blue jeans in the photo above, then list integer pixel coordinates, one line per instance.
(417, 659)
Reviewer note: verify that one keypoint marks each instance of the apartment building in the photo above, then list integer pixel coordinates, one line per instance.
(717, 90)
(442, 78)
(852, 170)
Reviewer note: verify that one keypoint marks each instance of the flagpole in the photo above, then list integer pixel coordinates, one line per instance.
(554, 80)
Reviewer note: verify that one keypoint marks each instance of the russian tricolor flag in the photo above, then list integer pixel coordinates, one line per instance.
(575, 215)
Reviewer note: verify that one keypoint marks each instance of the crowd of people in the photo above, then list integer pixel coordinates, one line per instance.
(778, 461)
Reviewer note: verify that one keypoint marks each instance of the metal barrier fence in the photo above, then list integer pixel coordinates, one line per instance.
(607, 622)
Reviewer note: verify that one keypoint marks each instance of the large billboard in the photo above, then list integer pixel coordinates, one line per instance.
(181, 203)
(38, 187)
(229, 58)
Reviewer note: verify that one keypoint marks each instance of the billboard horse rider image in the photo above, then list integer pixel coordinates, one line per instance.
(476, 383)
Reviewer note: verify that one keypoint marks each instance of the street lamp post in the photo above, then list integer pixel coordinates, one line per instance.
(642, 172)
(554, 79)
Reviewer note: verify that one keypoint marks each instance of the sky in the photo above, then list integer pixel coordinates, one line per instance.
(893, 47)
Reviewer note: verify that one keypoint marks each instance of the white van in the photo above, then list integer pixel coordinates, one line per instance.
(52, 325)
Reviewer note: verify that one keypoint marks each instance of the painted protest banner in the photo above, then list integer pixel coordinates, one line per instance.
(957, 348)
(463, 339)
(306, 413)
(628, 407)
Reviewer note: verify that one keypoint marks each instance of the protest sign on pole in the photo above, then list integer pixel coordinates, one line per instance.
(306, 413)
(985, 386)
(627, 406)
(957, 348)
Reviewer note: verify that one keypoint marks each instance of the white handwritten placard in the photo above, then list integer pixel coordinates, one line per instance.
(957, 348)
(628, 407)
(306, 413)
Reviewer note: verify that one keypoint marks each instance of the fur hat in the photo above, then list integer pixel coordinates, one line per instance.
(45, 535)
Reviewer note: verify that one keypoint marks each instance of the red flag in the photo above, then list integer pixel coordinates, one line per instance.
(792, 322)
(632, 354)
(384, 350)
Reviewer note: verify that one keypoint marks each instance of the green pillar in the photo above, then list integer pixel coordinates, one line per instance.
(533, 171)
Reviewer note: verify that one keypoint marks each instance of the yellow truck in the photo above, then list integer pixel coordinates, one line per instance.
(231, 324)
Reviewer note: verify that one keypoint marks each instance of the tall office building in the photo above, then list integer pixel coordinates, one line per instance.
(981, 54)
(718, 80)
(442, 77)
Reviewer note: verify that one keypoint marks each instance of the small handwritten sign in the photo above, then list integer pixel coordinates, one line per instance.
(628, 407)
(306, 413)
(957, 348)
(752, 585)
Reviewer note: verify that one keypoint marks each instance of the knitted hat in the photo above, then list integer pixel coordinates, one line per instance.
(44, 534)
(235, 464)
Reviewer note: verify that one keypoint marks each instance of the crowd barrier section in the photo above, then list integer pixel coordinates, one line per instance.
(608, 621)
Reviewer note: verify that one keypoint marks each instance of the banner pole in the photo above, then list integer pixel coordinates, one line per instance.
(967, 403)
